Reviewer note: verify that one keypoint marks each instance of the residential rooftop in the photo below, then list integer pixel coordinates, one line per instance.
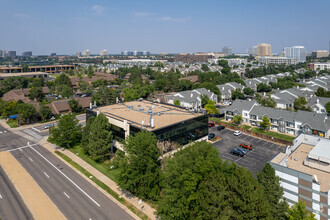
(140, 113)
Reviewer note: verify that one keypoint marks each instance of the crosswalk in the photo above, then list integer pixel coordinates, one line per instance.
(3, 132)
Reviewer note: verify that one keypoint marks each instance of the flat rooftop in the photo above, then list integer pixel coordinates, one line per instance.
(296, 162)
(139, 112)
(22, 74)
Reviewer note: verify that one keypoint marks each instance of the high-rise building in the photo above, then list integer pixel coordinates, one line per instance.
(253, 51)
(3, 53)
(27, 54)
(53, 54)
(264, 49)
(86, 53)
(145, 53)
(104, 53)
(135, 53)
(124, 53)
(320, 53)
(297, 52)
(12, 53)
(78, 54)
(227, 50)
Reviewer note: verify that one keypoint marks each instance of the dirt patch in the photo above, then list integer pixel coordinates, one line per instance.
(33, 196)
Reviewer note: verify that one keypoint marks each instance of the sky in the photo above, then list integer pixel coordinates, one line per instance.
(172, 26)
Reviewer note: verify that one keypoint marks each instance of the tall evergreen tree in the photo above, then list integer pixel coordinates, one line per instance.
(273, 191)
(86, 132)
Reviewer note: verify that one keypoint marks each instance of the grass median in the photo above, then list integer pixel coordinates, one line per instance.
(103, 186)
(274, 134)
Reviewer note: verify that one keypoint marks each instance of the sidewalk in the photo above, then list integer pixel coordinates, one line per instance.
(147, 209)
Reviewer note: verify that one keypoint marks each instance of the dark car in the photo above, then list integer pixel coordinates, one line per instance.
(211, 135)
(237, 151)
(211, 125)
(220, 127)
(243, 151)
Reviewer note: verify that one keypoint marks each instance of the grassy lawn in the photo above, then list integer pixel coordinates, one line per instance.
(103, 186)
(247, 127)
(274, 134)
(12, 123)
(103, 167)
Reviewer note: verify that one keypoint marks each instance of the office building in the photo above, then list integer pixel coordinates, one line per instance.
(297, 52)
(124, 53)
(3, 53)
(145, 53)
(12, 53)
(304, 172)
(27, 54)
(104, 53)
(227, 50)
(46, 69)
(253, 51)
(53, 54)
(190, 58)
(320, 53)
(318, 66)
(167, 122)
(86, 53)
(264, 49)
(277, 60)
(78, 54)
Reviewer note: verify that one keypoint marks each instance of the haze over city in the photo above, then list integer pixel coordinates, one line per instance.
(170, 26)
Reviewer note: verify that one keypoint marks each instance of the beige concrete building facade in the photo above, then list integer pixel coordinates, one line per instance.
(320, 53)
(264, 49)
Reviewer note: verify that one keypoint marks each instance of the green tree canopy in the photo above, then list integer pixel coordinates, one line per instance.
(327, 107)
(265, 123)
(67, 133)
(63, 79)
(248, 91)
(45, 112)
(139, 170)
(204, 99)
(74, 105)
(211, 109)
(26, 112)
(298, 211)
(205, 68)
(238, 119)
(299, 104)
(262, 87)
(105, 96)
(273, 191)
(237, 94)
(177, 102)
(36, 93)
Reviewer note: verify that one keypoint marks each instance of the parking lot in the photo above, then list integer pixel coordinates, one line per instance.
(254, 160)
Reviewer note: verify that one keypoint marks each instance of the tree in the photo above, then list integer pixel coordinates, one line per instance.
(25, 68)
(159, 64)
(74, 105)
(99, 138)
(298, 211)
(212, 87)
(67, 133)
(322, 93)
(299, 104)
(86, 132)
(177, 102)
(90, 71)
(84, 86)
(211, 109)
(248, 91)
(265, 123)
(262, 87)
(238, 119)
(139, 170)
(237, 94)
(273, 191)
(45, 112)
(63, 79)
(36, 93)
(205, 68)
(185, 182)
(105, 96)
(327, 107)
(204, 99)
(65, 91)
(26, 112)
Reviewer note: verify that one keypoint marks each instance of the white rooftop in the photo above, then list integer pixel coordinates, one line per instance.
(321, 151)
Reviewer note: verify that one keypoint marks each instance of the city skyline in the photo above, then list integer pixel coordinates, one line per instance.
(174, 27)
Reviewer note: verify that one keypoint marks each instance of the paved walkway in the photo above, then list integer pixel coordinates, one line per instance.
(146, 209)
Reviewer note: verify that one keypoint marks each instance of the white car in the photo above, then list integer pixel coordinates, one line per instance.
(236, 133)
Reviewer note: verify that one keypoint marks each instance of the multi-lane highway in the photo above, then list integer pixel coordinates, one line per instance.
(11, 204)
(72, 194)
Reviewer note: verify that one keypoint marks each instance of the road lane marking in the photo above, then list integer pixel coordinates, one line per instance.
(36, 129)
(20, 148)
(30, 159)
(46, 174)
(0, 196)
(258, 141)
(66, 177)
(66, 195)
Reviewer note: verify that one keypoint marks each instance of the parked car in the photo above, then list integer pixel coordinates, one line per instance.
(237, 151)
(220, 127)
(243, 150)
(236, 133)
(211, 135)
(48, 126)
(211, 125)
(246, 146)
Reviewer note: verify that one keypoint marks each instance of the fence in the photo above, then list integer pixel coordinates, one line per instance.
(252, 133)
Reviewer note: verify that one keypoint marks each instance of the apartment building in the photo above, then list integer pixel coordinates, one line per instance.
(318, 66)
(282, 121)
(297, 52)
(277, 60)
(264, 50)
(226, 90)
(320, 53)
(304, 172)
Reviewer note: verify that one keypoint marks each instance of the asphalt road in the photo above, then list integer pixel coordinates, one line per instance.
(262, 152)
(71, 193)
(11, 204)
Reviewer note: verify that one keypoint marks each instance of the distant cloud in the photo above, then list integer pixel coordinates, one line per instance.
(98, 9)
(20, 15)
(142, 14)
(172, 19)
